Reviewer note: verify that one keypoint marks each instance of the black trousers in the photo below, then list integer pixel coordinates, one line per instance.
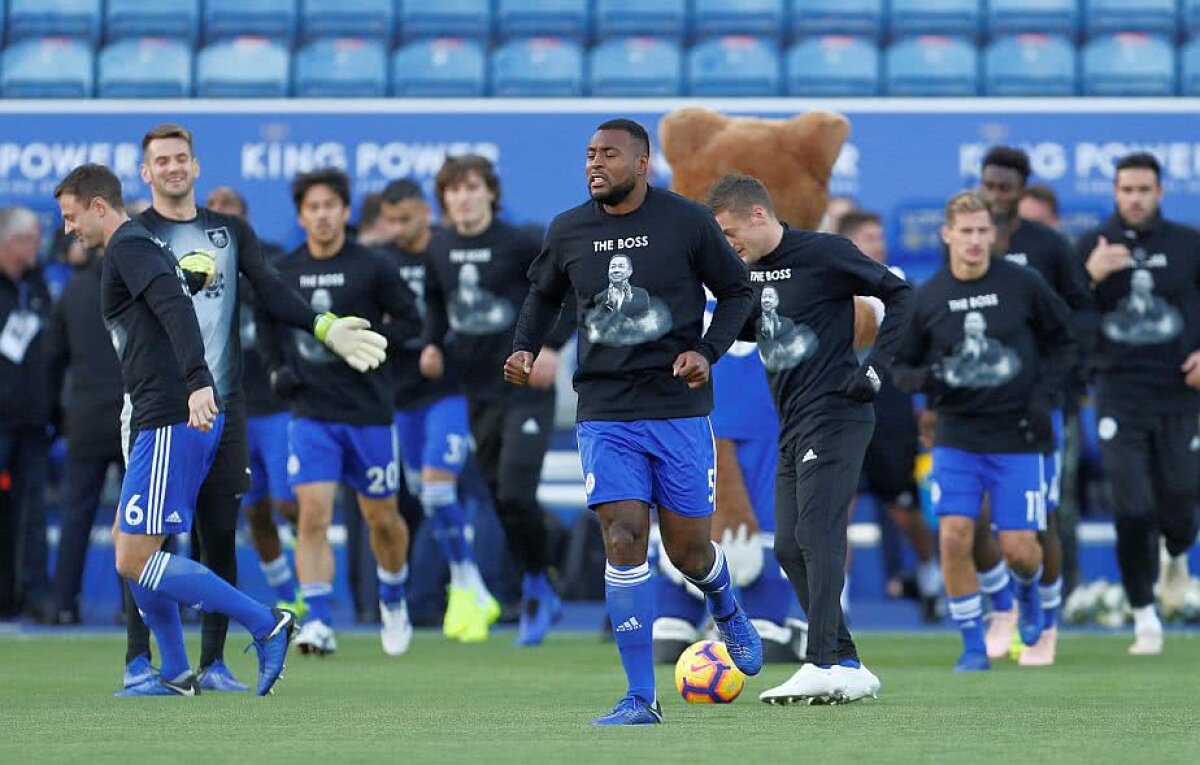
(817, 477)
(24, 554)
(511, 439)
(1153, 467)
(83, 481)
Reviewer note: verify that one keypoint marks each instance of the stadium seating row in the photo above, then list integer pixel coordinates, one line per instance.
(1126, 64)
(398, 20)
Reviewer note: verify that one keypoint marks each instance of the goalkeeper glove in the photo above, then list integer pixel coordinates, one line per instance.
(351, 338)
(199, 270)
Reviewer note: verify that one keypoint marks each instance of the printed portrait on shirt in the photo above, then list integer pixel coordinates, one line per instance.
(308, 346)
(474, 310)
(979, 361)
(625, 314)
(1142, 318)
(782, 343)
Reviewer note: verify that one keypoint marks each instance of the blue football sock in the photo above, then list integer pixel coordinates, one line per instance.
(967, 613)
(193, 584)
(629, 594)
(1051, 596)
(1026, 587)
(279, 575)
(716, 587)
(997, 585)
(161, 615)
(391, 584)
(318, 596)
(440, 501)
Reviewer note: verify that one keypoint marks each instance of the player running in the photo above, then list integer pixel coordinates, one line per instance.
(804, 326)
(637, 259)
(147, 309)
(991, 346)
(341, 428)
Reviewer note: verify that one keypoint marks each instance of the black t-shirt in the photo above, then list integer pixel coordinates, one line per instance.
(148, 312)
(996, 346)
(413, 389)
(1149, 317)
(256, 380)
(354, 282)
(638, 282)
(803, 322)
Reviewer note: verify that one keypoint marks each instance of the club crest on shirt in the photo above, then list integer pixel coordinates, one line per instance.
(218, 236)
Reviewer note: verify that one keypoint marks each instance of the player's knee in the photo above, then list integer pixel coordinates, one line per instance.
(787, 552)
(694, 557)
(288, 510)
(311, 524)
(1021, 549)
(625, 544)
(956, 538)
(130, 562)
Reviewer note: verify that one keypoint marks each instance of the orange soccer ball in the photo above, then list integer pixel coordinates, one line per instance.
(705, 674)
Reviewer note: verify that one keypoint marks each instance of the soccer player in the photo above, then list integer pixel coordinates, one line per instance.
(146, 307)
(991, 346)
(225, 246)
(645, 392)
(1039, 203)
(892, 453)
(475, 283)
(823, 396)
(1145, 273)
(431, 422)
(266, 432)
(1028, 243)
(341, 428)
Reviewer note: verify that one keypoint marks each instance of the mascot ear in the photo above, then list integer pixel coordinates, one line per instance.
(815, 139)
(685, 136)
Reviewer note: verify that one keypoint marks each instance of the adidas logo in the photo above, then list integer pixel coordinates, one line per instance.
(809, 456)
(629, 625)
(174, 518)
(530, 427)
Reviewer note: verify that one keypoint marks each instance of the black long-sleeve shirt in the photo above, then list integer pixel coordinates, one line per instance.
(803, 322)
(988, 352)
(1149, 317)
(638, 282)
(24, 386)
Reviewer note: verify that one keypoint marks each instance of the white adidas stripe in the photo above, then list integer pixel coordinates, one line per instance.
(158, 476)
(151, 527)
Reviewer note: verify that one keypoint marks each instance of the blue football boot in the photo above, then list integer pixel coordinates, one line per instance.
(137, 672)
(217, 677)
(1029, 615)
(742, 641)
(272, 650)
(160, 686)
(972, 661)
(631, 710)
(541, 608)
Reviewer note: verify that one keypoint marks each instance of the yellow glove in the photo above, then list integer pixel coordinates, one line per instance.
(200, 270)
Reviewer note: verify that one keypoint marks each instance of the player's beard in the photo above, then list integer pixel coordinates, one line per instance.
(616, 193)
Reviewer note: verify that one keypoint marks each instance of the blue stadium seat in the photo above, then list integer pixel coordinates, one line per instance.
(54, 18)
(1052, 17)
(275, 19)
(371, 19)
(863, 18)
(150, 67)
(637, 66)
(542, 18)
(1191, 69)
(936, 17)
(1112, 16)
(444, 67)
(161, 18)
(659, 18)
(1191, 17)
(1132, 64)
(341, 67)
(932, 66)
(734, 66)
(248, 67)
(445, 18)
(763, 18)
(1030, 65)
(46, 67)
(832, 66)
(537, 67)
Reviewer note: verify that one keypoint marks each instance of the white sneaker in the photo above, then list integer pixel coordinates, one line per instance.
(1173, 584)
(810, 684)
(1147, 642)
(397, 631)
(1002, 626)
(858, 683)
(316, 638)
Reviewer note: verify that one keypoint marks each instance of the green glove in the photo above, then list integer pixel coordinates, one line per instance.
(199, 269)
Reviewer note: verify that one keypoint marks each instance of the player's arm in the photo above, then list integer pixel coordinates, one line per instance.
(398, 302)
(1057, 354)
(868, 277)
(548, 285)
(910, 368)
(728, 280)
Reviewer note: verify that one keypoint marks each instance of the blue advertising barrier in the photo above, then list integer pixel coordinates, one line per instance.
(904, 157)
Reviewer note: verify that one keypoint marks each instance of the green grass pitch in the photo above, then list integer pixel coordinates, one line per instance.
(446, 702)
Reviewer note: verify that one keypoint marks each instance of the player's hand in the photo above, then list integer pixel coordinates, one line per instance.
(545, 369)
(284, 382)
(518, 368)
(744, 554)
(431, 363)
(351, 338)
(1191, 370)
(926, 427)
(199, 269)
(1036, 426)
(864, 383)
(1106, 258)
(692, 368)
(202, 409)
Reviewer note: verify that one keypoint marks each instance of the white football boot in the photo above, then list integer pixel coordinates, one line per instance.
(397, 631)
(316, 638)
(858, 683)
(810, 685)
